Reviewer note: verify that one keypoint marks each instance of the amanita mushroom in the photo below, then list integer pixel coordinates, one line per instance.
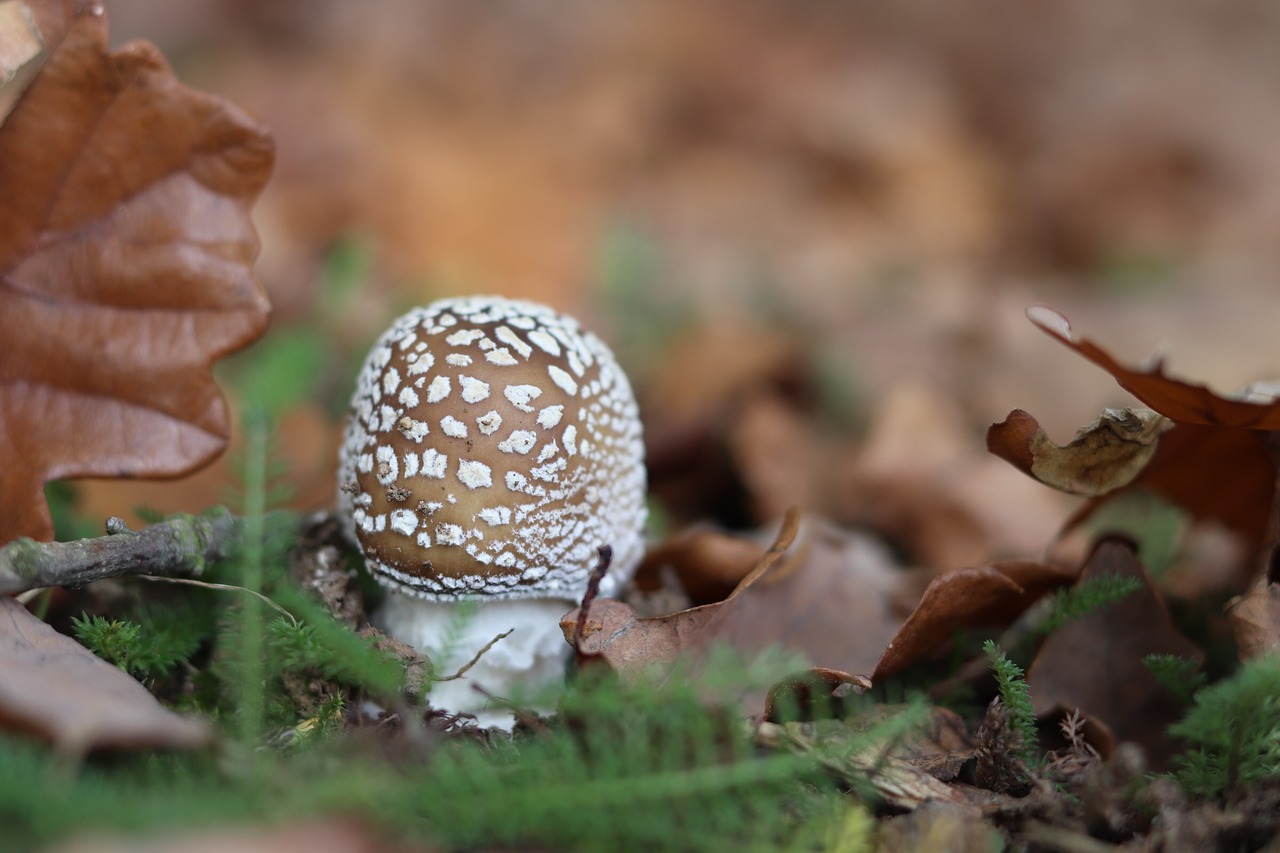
(491, 448)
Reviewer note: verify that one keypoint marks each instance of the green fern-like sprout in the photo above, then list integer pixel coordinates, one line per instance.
(149, 644)
(1012, 684)
(629, 768)
(1088, 597)
(1233, 731)
(116, 641)
(1178, 675)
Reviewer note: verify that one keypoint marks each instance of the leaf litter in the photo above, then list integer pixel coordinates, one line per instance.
(858, 618)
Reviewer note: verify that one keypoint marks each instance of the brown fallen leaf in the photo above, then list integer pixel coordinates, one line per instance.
(630, 644)
(967, 598)
(833, 598)
(56, 689)
(612, 632)
(125, 265)
(1255, 620)
(1094, 663)
(824, 593)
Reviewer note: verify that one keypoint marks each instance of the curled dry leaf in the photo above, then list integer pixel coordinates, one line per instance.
(125, 265)
(1215, 461)
(967, 598)
(55, 688)
(1104, 456)
(1095, 662)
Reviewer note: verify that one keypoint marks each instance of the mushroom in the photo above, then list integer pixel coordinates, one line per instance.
(491, 448)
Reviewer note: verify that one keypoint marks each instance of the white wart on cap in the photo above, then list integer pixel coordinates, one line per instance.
(492, 447)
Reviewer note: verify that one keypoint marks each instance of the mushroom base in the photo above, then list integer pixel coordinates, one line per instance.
(528, 666)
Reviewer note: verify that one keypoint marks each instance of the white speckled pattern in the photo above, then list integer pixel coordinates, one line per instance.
(505, 440)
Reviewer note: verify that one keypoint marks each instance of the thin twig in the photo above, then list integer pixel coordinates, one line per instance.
(476, 658)
(605, 560)
(226, 587)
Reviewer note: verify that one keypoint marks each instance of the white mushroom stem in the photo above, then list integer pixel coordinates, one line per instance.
(528, 666)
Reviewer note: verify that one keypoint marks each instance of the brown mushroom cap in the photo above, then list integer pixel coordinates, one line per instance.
(491, 448)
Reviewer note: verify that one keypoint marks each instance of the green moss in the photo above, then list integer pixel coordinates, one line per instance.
(1233, 732)
(1012, 684)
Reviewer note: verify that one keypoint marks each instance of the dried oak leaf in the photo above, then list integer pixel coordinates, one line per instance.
(1094, 663)
(1214, 461)
(967, 598)
(125, 265)
(55, 688)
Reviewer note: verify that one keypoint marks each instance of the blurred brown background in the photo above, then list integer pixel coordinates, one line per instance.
(859, 198)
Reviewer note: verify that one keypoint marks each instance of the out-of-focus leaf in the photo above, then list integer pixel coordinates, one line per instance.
(1095, 662)
(1104, 455)
(938, 825)
(1176, 399)
(55, 688)
(857, 755)
(125, 265)
(967, 598)
(315, 836)
(919, 481)
(816, 692)
(1255, 620)
(832, 598)
(708, 563)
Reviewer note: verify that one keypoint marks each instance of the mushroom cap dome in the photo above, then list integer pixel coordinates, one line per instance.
(491, 448)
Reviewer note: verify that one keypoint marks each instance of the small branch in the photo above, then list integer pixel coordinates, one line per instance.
(605, 560)
(475, 659)
(226, 587)
(179, 546)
